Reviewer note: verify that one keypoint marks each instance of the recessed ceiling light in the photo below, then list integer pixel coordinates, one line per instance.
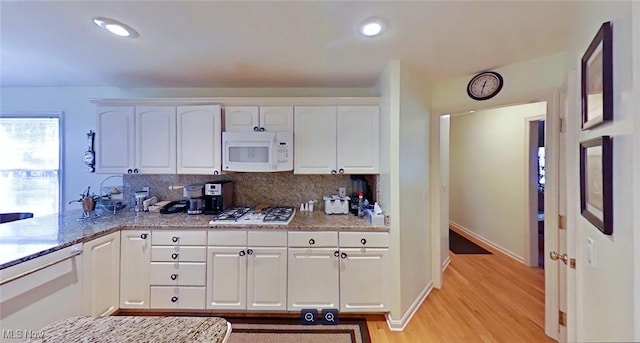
(371, 27)
(115, 27)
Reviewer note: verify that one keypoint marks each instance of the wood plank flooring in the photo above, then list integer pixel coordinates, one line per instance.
(485, 298)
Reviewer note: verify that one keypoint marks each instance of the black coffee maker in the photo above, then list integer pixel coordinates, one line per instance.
(218, 196)
(359, 185)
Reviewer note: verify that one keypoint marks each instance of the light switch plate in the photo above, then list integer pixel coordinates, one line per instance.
(591, 258)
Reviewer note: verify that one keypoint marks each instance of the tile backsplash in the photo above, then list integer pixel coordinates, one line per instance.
(281, 188)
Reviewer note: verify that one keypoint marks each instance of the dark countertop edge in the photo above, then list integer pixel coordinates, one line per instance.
(186, 227)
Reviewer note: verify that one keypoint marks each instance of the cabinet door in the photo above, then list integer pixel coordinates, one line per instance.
(276, 118)
(267, 279)
(226, 278)
(135, 256)
(114, 141)
(314, 140)
(241, 118)
(363, 280)
(358, 134)
(199, 139)
(313, 279)
(101, 275)
(156, 139)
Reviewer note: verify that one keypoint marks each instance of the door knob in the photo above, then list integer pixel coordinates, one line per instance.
(554, 256)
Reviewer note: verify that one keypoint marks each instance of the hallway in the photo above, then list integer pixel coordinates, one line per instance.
(485, 298)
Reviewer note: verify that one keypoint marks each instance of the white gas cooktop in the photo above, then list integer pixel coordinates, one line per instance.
(244, 215)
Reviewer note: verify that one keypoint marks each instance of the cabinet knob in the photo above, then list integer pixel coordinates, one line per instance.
(129, 171)
(250, 251)
(174, 256)
(333, 172)
(336, 253)
(262, 129)
(135, 171)
(174, 276)
(341, 171)
(363, 241)
(312, 241)
(215, 172)
(175, 239)
(241, 253)
(343, 255)
(174, 299)
(255, 128)
(144, 236)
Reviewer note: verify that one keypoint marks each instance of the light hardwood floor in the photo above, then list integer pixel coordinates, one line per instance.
(485, 298)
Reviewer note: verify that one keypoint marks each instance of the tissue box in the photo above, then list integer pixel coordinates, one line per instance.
(373, 218)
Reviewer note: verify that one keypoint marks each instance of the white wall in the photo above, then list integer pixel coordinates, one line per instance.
(635, 37)
(606, 291)
(79, 116)
(488, 168)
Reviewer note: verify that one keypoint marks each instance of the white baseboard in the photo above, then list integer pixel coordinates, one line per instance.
(399, 325)
(446, 263)
(488, 242)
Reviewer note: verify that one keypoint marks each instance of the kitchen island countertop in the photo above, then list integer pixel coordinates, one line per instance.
(27, 239)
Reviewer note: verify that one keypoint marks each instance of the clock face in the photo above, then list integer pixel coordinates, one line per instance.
(484, 85)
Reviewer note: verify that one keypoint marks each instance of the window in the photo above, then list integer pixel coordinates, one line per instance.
(30, 164)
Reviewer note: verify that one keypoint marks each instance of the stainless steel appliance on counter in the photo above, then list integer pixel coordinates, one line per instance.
(196, 200)
(243, 215)
(218, 196)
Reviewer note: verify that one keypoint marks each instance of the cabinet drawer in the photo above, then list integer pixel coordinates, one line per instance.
(178, 254)
(228, 238)
(313, 239)
(186, 237)
(177, 297)
(364, 239)
(178, 274)
(267, 239)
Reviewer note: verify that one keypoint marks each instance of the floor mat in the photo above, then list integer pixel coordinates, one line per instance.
(460, 245)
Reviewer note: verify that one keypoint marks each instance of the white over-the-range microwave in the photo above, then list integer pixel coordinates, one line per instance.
(257, 151)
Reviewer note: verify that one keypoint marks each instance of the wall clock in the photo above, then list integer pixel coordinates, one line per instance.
(485, 85)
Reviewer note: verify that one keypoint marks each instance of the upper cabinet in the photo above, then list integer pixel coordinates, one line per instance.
(258, 118)
(158, 139)
(336, 140)
(199, 139)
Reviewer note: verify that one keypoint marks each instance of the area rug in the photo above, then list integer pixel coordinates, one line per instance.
(289, 330)
(458, 244)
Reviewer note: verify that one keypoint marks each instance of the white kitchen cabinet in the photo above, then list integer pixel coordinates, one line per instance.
(184, 298)
(267, 278)
(115, 139)
(313, 278)
(199, 139)
(226, 278)
(135, 256)
(155, 139)
(331, 140)
(262, 118)
(101, 275)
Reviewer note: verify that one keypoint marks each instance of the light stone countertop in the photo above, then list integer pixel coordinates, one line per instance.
(27, 239)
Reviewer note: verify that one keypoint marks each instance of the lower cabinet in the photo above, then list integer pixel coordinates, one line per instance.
(135, 256)
(247, 270)
(313, 278)
(363, 280)
(167, 297)
(101, 275)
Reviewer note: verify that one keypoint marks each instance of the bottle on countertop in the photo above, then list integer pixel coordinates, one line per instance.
(360, 204)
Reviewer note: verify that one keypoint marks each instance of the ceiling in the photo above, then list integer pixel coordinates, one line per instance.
(269, 43)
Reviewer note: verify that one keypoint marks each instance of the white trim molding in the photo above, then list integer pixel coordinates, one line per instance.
(446, 263)
(399, 325)
(243, 101)
(484, 240)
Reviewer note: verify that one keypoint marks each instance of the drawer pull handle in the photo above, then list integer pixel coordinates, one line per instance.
(312, 241)
(363, 241)
(175, 239)
(341, 171)
(174, 256)
(241, 253)
(255, 128)
(143, 236)
(174, 276)
(343, 255)
(174, 299)
(250, 251)
(336, 253)
(333, 172)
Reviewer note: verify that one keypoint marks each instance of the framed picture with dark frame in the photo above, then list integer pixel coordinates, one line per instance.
(597, 79)
(596, 182)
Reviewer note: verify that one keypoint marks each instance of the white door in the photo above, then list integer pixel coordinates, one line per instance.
(358, 134)
(199, 139)
(226, 278)
(155, 140)
(101, 275)
(313, 278)
(241, 118)
(267, 279)
(363, 280)
(135, 256)
(315, 140)
(115, 132)
(276, 118)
